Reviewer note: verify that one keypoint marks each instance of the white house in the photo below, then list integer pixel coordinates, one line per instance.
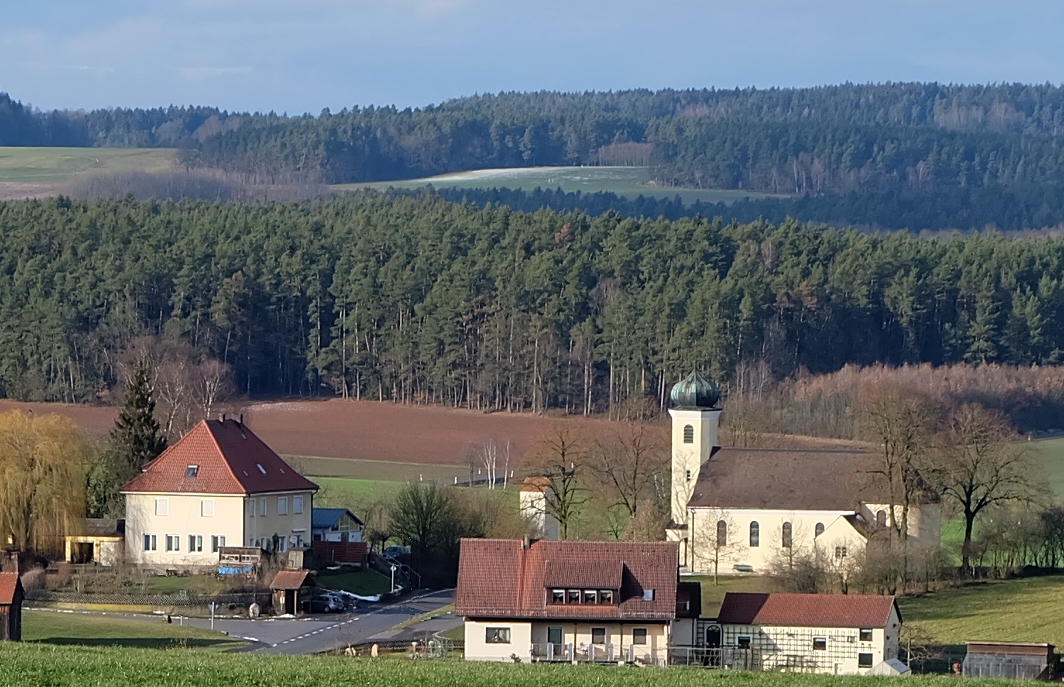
(843, 634)
(219, 485)
(737, 510)
(335, 525)
(567, 600)
(533, 507)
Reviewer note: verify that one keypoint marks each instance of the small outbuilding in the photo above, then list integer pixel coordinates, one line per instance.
(335, 525)
(11, 597)
(97, 540)
(286, 588)
(1015, 661)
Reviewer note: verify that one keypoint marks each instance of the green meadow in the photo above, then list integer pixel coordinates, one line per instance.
(57, 165)
(58, 628)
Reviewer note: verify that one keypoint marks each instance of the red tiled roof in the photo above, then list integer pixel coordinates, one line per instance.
(291, 579)
(500, 578)
(230, 460)
(806, 610)
(9, 585)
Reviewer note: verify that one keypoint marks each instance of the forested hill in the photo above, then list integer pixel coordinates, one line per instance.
(417, 299)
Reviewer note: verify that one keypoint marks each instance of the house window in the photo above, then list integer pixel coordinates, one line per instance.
(866, 634)
(557, 596)
(743, 642)
(282, 544)
(497, 635)
(206, 508)
(195, 543)
(788, 530)
(820, 643)
(282, 505)
(572, 596)
(262, 506)
(722, 534)
(299, 541)
(605, 596)
(555, 635)
(840, 552)
(648, 595)
(688, 434)
(217, 542)
(598, 635)
(864, 660)
(173, 543)
(818, 530)
(251, 507)
(590, 596)
(151, 542)
(881, 518)
(162, 506)
(191, 471)
(755, 534)
(297, 505)
(639, 635)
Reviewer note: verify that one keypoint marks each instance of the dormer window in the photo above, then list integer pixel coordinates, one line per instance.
(572, 596)
(557, 596)
(191, 471)
(606, 596)
(590, 596)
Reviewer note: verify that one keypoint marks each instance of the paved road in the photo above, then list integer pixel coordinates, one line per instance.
(324, 632)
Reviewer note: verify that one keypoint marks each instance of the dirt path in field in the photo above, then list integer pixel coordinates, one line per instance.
(18, 190)
(364, 430)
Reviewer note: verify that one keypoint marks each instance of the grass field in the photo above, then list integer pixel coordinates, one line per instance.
(630, 182)
(1026, 610)
(1050, 453)
(58, 628)
(28, 664)
(57, 165)
(363, 583)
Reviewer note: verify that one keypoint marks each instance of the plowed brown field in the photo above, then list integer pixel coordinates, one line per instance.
(363, 430)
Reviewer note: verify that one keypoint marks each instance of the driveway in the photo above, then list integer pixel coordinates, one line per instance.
(315, 634)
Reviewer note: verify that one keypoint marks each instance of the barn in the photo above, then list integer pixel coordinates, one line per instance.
(10, 607)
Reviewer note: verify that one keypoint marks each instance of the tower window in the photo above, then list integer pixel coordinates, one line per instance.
(688, 475)
(881, 518)
(818, 530)
(722, 533)
(788, 530)
(755, 534)
(688, 434)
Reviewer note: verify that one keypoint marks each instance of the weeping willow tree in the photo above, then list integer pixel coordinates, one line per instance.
(42, 493)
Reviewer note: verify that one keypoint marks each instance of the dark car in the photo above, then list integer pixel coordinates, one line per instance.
(321, 604)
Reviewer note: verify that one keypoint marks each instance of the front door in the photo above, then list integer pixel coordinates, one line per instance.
(713, 637)
(554, 635)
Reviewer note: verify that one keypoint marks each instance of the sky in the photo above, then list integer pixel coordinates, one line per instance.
(301, 56)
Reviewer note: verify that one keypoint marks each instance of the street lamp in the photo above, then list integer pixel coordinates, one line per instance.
(393, 577)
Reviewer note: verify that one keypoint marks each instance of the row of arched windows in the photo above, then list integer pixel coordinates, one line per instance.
(755, 533)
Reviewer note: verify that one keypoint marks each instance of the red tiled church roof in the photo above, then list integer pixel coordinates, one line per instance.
(806, 610)
(229, 458)
(9, 586)
(500, 578)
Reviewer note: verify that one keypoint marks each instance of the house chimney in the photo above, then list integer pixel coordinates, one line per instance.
(223, 418)
(241, 423)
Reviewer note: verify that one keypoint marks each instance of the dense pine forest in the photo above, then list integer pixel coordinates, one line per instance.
(907, 155)
(416, 299)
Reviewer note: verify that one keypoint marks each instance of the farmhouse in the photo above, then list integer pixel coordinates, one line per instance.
(567, 600)
(843, 634)
(220, 485)
(10, 607)
(737, 510)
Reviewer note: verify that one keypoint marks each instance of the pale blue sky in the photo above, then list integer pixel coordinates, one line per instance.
(302, 56)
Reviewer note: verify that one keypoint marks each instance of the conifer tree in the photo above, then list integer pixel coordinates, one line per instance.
(135, 436)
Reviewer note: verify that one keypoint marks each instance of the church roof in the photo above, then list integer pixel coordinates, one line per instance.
(695, 391)
(791, 479)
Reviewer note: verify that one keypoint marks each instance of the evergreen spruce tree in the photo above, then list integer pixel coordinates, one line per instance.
(135, 436)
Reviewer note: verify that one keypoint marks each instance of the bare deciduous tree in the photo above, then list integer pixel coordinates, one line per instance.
(714, 541)
(630, 462)
(560, 458)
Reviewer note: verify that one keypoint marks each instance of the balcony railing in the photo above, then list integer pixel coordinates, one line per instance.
(552, 652)
(597, 653)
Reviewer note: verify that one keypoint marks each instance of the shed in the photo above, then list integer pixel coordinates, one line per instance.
(97, 540)
(286, 587)
(1017, 661)
(891, 667)
(11, 596)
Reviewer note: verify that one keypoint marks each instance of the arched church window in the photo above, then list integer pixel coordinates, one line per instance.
(722, 534)
(688, 434)
(755, 534)
(819, 530)
(787, 532)
(881, 518)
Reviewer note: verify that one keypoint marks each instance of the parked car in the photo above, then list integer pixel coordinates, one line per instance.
(321, 604)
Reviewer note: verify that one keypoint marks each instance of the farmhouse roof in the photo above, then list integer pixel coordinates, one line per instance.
(288, 580)
(9, 588)
(218, 457)
(503, 578)
(324, 518)
(100, 527)
(791, 479)
(806, 610)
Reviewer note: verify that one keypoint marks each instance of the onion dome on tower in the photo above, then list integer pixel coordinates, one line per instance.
(695, 392)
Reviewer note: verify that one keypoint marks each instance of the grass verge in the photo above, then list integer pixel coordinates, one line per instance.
(60, 628)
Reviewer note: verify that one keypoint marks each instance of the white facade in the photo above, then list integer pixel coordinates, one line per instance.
(566, 640)
(170, 530)
(533, 507)
(840, 651)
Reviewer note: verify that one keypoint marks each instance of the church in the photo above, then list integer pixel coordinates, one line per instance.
(739, 510)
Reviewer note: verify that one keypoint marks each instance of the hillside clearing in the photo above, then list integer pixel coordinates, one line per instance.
(57, 165)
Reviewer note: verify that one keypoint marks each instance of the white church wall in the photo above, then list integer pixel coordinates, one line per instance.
(694, 434)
